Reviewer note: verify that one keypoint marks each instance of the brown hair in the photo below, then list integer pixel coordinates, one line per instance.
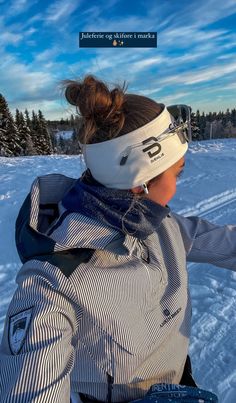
(105, 113)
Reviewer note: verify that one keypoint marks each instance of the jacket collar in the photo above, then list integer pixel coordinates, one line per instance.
(42, 229)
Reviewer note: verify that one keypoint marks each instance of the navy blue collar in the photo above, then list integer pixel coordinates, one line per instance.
(119, 209)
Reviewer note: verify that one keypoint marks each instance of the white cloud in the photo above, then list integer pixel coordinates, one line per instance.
(187, 57)
(18, 81)
(188, 36)
(225, 87)
(16, 7)
(13, 34)
(229, 45)
(146, 63)
(209, 11)
(9, 38)
(200, 13)
(185, 29)
(50, 109)
(33, 19)
(230, 86)
(116, 24)
(91, 12)
(113, 62)
(227, 56)
(149, 92)
(180, 96)
(30, 31)
(47, 55)
(60, 9)
(210, 73)
(201, 75)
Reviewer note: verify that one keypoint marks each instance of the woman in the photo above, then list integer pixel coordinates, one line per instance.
(102, 299)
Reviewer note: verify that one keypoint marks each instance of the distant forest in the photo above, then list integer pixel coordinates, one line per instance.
(31, 134)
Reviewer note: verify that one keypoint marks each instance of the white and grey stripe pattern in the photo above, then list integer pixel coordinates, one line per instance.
(208, 242)
(40, 371)
(110, 304)
(125, 313)
(43, 187)
(78, 231)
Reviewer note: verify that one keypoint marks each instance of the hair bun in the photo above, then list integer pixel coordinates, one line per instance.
(101, 109)
(72, 93)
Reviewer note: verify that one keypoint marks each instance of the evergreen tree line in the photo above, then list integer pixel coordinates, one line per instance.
(33, 135)
(204, 127)
(23, 135)
(213, 125)
(58, 129)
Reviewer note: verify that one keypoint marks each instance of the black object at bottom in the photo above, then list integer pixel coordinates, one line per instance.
(187, 378)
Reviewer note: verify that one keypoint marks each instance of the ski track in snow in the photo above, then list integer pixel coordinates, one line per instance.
(214, 331)
(207, 206)
(207, 189)
(215, 319)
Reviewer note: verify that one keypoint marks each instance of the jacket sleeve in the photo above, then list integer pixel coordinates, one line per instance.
(206, 242)
(37, 351)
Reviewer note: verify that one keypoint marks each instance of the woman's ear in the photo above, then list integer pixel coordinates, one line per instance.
(137, 190)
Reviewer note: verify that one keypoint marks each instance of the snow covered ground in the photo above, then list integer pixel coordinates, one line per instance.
(207, 188)
(65, 134)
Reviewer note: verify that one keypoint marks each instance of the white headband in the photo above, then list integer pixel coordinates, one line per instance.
(136, 157)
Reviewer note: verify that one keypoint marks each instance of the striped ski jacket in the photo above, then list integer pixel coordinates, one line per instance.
(98, 312)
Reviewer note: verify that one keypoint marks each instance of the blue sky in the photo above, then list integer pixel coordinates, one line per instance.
(194, 62)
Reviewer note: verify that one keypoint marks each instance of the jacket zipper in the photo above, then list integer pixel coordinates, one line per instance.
(146, 259)
(110, 381)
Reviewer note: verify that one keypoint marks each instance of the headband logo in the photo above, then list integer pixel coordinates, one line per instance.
(152, 150)
(155, 147)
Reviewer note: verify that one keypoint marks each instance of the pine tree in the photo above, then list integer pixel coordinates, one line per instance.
(75, 147)
(44, 139)
(228, 129)
(23, 130)
(27, 119)
(35, 133)
(202, 126)
(72, 121)
(9, 136)
(4, 146)
(210, 117)
(195, 126)
(53, 141)
(61, 145)
(233, 117)
(228, 117)
(30, 147)
(220, 115)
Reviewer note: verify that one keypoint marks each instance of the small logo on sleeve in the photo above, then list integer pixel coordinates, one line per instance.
(18, 327)
(169, 315)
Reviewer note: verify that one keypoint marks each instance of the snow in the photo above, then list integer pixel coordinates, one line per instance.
(207, 188)
(65, 134)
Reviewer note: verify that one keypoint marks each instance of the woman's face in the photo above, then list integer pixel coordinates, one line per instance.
(162, 189)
